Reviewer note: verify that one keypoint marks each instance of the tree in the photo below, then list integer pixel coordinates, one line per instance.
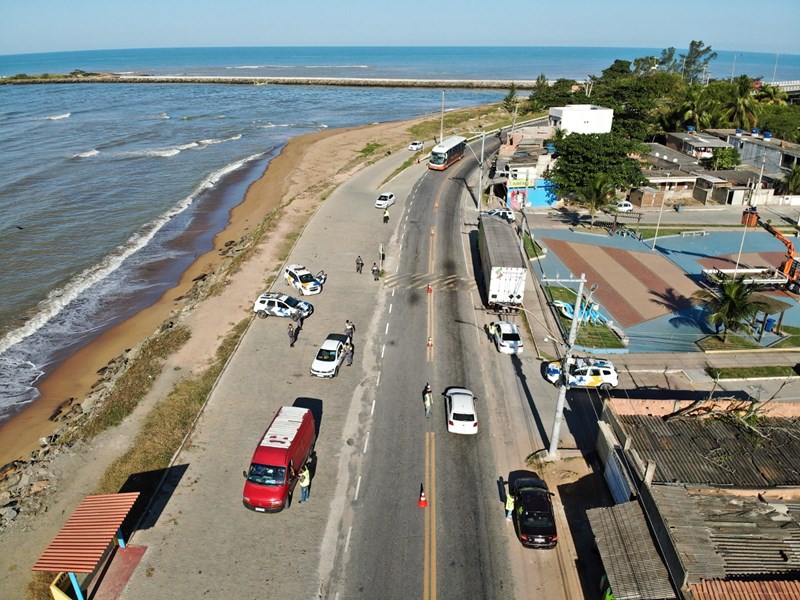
(771, 94)
(582, 156)
(791, 183)
(509, 103)
(619, 68)
(695, 61)
(732, 306)
(667, 62)
(595, 194)
(742, 107)
(724, 159)
(782, 121)
(644, 65)
(539, 94)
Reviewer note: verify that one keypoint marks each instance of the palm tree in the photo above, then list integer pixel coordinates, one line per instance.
(731, 306)
(596, 193)
(771, 94)
(742, 108)
(791, 183)
(692, 106)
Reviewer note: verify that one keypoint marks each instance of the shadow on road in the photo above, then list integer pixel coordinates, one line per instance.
(154, 495)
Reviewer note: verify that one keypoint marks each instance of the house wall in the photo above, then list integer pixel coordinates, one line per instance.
(582, 118)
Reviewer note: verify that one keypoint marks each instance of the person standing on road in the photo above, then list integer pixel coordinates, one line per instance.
(509, 504)
(426, 398)
(349, 328)
(292, 336)
(359, 264)
(385, 215)
(348, 353)
(375, 271)
(304, 483)
(299, 318)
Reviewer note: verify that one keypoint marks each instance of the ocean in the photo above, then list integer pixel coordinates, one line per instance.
(108, 192)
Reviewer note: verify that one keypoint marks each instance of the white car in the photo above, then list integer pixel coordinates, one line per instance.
(385, 200)
(281, 305)
(624, 206)
(585, 373)
(506, 337)
(329, 356)
(304, 282)
(503, 213)
(415, 146)
(461, 416)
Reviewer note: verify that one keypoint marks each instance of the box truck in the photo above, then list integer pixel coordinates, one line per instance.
(502, 264)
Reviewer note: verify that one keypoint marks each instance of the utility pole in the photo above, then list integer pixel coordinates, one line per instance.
(480, 160)
(552, 453)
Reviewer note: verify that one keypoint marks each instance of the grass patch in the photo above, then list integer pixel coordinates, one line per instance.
(369, 149)
(735, 342)
(589, 335)
(748, 372)
(792, 340)
(137, 380)
(166, 426)
(532, 249)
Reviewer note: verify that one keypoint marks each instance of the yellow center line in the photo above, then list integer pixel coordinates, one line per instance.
(429, 552)
(426, 547)
(432, 505)
(431, 256)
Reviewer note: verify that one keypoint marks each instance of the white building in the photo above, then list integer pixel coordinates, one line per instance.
(581, 118)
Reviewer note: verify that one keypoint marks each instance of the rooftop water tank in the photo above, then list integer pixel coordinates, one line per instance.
(767, 136)
(755, 131)
(738, 133)
(690, 128)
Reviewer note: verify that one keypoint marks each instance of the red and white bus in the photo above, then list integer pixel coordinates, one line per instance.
(445, 154)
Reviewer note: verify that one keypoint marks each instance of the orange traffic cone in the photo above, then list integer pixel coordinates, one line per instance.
(423, 503)
(430, 342)
(430, 288)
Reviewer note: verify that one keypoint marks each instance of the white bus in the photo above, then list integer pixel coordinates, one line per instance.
(445, 154)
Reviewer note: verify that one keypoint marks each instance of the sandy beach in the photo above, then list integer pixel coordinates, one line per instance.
(301, 173)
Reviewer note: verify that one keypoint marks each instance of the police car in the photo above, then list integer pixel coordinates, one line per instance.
(303, 281)
(585, 373)
(280, 305)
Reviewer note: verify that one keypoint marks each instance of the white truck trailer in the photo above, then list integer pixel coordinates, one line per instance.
(504, 269)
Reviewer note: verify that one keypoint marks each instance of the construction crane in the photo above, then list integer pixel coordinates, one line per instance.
(791, 266)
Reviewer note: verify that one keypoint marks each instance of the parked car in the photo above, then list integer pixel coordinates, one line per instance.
(585, 373)
(533, 513)
(503, 213)
(303, 281)
(506, 337)
(416, 146)
(274, 304)
(329, 356)
(461, 415)
(385, 200)
(624, 206)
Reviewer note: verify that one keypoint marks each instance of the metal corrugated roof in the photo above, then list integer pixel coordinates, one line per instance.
(717, 452)
(745, 590)
(633, 566)
(80, 544)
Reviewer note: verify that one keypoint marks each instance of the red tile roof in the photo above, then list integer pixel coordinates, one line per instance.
(745, 590)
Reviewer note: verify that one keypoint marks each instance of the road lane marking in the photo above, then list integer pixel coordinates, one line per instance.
(390, 308)
(426, 551)
(383, 351)
(387, 329)
(358, 486)
(373, 407)
(347, 541)
(429, 550)
(366, 441)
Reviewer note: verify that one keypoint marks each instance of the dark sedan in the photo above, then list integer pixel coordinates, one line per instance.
(533, 512)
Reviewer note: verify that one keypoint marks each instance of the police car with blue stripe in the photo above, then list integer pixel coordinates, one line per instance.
(280, 305)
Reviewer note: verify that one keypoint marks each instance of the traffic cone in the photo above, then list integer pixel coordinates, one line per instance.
(430, 288)
(430, 342)
(423, 503)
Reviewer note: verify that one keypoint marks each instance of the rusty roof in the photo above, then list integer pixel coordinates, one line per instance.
(745, 590)
(80, 544)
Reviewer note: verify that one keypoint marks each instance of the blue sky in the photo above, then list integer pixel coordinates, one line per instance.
(53, 25)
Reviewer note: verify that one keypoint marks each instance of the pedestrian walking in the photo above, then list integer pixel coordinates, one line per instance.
(291, 334)
(426, 398)
(375, 271)
(385, 215)
(349, 328)
(304, 483)
(359, 264)
(348, 353)
(299, 318)
(509, 504)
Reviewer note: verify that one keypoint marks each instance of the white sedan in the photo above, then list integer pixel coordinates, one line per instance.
(460, 407)
(624, 206)
(303, 281)
(506, 337)
(385, 200)
(503, 213)
(415, 146)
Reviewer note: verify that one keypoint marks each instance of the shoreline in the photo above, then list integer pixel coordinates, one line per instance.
(76, 375)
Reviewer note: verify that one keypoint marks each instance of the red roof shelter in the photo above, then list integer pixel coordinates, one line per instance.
(80, 545)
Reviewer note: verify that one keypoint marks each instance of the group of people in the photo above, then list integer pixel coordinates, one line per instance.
(375, 270)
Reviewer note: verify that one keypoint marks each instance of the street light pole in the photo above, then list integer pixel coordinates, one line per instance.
(733, 69)
(660, 212)
(746, 221)
(552, 453)
(775, 68)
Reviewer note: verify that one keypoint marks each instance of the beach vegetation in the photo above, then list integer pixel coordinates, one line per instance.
(370, 149)
(750, 372)
(136, 381)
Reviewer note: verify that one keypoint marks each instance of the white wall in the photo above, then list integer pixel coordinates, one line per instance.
(582, 118)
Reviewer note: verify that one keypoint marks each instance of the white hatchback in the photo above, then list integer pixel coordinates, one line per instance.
(385, 200)
(624, 206)
(329, 356)
(506, 337)
(461, 416)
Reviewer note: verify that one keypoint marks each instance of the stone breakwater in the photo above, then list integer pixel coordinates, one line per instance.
(482, 84)
(26, 484)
